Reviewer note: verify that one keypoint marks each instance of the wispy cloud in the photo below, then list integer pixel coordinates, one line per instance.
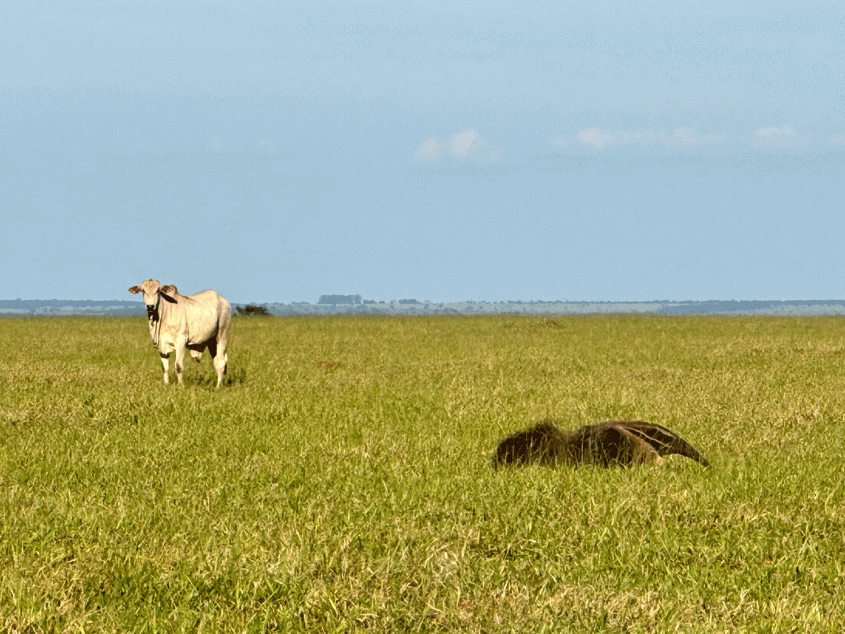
(598, 139)
(783, 137)
(430, 151)
(774, 137)
(690, 137)
(772, 132)
(464, 147)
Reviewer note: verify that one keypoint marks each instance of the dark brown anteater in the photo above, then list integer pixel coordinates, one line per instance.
(604, 444)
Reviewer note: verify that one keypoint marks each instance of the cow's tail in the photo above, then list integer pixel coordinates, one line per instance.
(224, 325)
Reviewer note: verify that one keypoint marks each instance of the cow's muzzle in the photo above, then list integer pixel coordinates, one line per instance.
(151, 311)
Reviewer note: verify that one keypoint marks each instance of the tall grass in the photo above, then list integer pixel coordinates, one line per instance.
(341, 478)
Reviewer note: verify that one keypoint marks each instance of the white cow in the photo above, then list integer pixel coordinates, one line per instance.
(195, 322)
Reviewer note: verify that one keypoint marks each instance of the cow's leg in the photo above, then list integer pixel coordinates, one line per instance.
(180, 357)
(165, 363)
(218, 357)
(224, 322)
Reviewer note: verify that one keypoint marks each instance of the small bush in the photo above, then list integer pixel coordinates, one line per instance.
(252, 309)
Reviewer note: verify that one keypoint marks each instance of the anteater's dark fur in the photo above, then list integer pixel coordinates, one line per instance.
(605, 444)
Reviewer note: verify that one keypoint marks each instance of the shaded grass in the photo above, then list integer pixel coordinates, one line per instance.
(341, 479)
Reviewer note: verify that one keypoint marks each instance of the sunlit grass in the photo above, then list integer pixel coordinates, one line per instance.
(341, 478)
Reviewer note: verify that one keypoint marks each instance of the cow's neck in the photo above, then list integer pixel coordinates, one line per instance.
(155, 327)
(156, 321)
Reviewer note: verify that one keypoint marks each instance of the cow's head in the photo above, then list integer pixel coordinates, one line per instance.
(153, 292)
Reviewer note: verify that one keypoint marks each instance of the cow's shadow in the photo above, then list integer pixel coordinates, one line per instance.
(232, 377)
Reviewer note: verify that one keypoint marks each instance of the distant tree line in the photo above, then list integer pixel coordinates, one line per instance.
(339, 299)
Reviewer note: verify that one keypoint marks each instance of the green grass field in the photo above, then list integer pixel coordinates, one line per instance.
(341, 479)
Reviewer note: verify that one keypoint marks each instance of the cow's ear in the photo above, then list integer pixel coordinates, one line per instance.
(168, 291)
(135, 289)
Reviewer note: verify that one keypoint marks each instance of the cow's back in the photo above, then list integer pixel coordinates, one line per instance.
(207, 315)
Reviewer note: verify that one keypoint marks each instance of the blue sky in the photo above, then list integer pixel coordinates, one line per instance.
(277, 151)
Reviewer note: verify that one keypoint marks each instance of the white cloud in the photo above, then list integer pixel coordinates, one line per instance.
(461, 144)
(598, 139)
(464, 147)
(690, 137)
(771, 132)
(784, 137)
(429, 151)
